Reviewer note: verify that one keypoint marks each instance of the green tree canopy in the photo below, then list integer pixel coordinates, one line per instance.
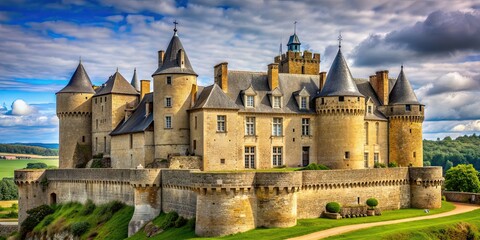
(462, 178)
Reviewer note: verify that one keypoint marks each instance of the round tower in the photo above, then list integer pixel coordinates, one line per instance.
(405, 116)
(341, 109)
(74, 111)
(172, 85)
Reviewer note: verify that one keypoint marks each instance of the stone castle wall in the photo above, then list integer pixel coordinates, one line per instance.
(230, 202)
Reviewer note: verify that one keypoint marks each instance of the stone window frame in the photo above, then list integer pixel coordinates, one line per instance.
(250, 101)
(305, 126)
(168, 102)
(366, 127)
(276, 101)
(168, 80)
(250, 126)
(277, 156)
(303, 102)
(365, 159)
(277, 127)
(221, 123)
(377, 133)
(249, 157)
(347, 155)
(168, 122)
(376, 157)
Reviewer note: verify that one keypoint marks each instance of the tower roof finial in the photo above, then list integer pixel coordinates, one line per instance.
(80, 59)
(340, 39)
(295, 27)
(175, 29)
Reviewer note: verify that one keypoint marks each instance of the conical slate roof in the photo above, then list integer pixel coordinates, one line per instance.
(171, 63)
(339, 79)
(402, 92)
(293, 40)
(79, 83)
(135, 83)
(117, 84)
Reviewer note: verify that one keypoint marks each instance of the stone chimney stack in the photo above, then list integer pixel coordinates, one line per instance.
(144, 88)
(323, 77)
(380, 84)
(220, 72)
(273, 75)
(161, 56)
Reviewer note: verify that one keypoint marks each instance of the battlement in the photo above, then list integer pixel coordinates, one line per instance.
(298, 56)
(340, 105)
(28, 176)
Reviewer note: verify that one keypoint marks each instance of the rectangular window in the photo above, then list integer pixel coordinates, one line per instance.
(95, 101)
(347, 155)
(277, 127)
(365, 160)
(369, 109)
(194, 144)
(250, 126)
(277, 103)
(104, 144)
(168, 102)
(341, 98)
(96, 123)
(169, 80)
(221, 123)
(277, 156)
(195, 122)
(375, 158)
(250, 101)
(222, 161)
(131, 141)
(303, 102)
(96, 143)
(249, 157)
(168, 122)
(408, 107)
(305, 126)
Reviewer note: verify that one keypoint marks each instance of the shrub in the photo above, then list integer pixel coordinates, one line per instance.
(35, 216)
(392, 164)
(372, 202)
(379, 165)
(191, 223)
(314, 166)
(333, 207)
(111, 207)
(88, 208)
(180, 222)
(169, 220)
(48, 219)
(38, 165)
(14, 206)
(11, 214)
(79, 228)
(444, 198)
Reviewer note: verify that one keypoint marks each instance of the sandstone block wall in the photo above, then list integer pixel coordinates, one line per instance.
(464, 197)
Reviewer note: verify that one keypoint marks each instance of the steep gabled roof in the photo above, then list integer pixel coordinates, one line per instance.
(79, 83)
(293, 40)
(117, 84)
(402, 92)
(171, 61)
(339, 79)
(139, 121)
(135, 83)
(213, 97)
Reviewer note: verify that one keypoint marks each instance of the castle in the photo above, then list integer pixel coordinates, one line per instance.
(166, 150)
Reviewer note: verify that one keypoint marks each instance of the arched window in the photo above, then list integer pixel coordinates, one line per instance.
(366, 133)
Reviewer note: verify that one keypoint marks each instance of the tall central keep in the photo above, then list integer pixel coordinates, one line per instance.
(174, 82)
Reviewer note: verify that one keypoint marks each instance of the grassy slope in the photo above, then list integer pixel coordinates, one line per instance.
(439, 228)
(304, 226)
(8, 166)
(101, 227)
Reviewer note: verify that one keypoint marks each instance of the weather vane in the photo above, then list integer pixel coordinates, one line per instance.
(340, 39)
(175, 22)
(295, 27)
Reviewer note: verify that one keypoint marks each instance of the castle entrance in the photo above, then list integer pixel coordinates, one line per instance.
(53, 198)
(305, 156)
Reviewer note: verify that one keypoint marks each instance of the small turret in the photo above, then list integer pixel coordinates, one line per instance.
(341, 108)
(405, 116)
(74, 111)
(135, 82)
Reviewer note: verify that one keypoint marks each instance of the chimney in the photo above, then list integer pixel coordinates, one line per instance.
(193, 95)
(144, 88)
(220, 72)
(161, 56)
(323, 78)
(273, 75)
(381, 86)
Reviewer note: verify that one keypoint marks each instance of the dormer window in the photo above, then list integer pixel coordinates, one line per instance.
(369, 109)
(303, 102)
(408, 108)
(277, 102)
(250, 101)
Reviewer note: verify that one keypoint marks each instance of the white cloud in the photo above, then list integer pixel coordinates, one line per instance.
(21, 108)
(472, 126)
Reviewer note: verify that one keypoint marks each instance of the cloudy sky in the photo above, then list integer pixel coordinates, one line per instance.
(41, 41)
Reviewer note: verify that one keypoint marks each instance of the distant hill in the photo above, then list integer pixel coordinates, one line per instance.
(43, 145)
(26, 149)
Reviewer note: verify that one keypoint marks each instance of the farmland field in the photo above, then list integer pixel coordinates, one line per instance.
(8, 166)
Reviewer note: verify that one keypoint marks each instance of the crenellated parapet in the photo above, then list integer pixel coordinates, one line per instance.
(342, 105)
(63, 115)
(29, 176)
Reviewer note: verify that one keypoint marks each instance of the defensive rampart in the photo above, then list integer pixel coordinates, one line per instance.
(230, 202)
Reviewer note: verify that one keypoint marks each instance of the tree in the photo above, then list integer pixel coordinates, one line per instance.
(462, 178)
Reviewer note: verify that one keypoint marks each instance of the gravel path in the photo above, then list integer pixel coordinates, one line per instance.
(459, 208)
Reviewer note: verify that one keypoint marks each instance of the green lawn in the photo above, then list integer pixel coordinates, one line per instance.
(8, 166)
(461, 226)
(305, 226)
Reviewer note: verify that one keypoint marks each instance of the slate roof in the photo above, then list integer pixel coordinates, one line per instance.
(139, 121)
(293, 40)
(135, 82)
(79, 83)
(171, 64)
(213, 97)
(116, 84)
(366, 89)
(402, 92)
(339, 79)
